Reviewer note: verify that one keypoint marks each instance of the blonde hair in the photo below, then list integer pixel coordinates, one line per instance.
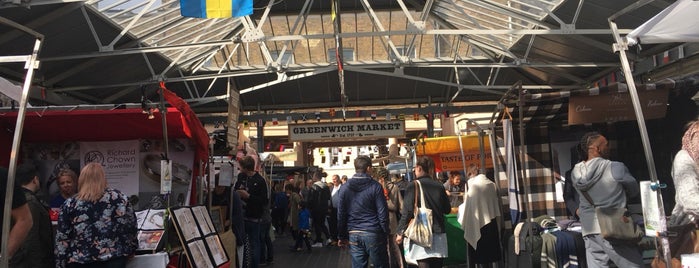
(91, 183)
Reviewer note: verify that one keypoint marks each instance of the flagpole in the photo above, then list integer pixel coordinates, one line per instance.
(337, 29)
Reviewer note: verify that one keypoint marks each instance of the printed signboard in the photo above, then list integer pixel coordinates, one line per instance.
(347, 131)
(615, 107)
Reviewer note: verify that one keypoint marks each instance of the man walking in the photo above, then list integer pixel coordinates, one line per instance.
(319, 203)
(362, 217)
(334, 202)
(252, 189)
(608, 184)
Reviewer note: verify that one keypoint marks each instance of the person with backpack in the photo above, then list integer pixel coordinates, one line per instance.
(318, 202)
(395, 203)
(280, 209)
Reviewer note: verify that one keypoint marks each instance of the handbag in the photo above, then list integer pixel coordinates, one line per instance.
(615, 223)
(419, 230)
(409, 253)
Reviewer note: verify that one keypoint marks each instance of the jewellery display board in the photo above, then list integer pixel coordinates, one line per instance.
(217, 217)
(198, 236)
(151, 230)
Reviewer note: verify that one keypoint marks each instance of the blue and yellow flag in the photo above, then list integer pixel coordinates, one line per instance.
(215, 8)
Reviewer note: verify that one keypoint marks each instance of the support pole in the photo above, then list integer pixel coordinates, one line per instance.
(260, 136)
(523, 157)
(621, 46)
(31, 64)
(163, 122)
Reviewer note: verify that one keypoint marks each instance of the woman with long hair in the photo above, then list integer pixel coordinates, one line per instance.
(436, 200)
(97, 226)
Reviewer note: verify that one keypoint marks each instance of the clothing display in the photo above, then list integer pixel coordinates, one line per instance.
(488, 247)
(480, 207)
(527, 252)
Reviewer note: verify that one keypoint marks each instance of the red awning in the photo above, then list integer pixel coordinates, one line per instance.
(93, 125)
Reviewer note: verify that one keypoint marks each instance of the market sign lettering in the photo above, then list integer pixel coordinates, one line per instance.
(347, 131)
(616, 106)
(453, 161)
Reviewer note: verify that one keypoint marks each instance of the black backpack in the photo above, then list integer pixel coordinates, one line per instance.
(320, 198)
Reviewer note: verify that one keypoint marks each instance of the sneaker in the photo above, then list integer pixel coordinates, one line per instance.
(329, 242)
(317, 245)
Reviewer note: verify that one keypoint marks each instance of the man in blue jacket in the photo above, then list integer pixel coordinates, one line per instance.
(362, 206)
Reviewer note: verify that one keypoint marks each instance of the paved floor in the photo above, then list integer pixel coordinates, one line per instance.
(317, 258)
(324, 257)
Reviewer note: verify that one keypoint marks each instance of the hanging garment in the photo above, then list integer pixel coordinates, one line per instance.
(480, 207)
(529, 246)
(511, 162)
(488, 249)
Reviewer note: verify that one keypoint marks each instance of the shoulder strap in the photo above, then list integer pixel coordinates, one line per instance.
(417, 187)
(422, 195)
(589, 199)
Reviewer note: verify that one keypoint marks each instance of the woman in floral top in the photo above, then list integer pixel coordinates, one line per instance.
(97, 226)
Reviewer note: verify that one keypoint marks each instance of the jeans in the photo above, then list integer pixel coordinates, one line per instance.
(252, 230)
(332, 224)
(267, 251)
(600, 251)
(365, 246)
(319, 225)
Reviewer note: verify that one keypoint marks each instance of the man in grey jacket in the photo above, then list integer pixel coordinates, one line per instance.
(609, 184)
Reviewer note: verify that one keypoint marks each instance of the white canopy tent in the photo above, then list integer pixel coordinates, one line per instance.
(676, 23)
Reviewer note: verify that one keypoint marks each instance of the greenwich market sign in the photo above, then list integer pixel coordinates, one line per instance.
(347, 131)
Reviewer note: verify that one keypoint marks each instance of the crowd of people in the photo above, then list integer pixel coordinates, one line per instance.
(368, 212)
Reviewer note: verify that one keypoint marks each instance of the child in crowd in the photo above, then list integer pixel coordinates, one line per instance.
(304, 234)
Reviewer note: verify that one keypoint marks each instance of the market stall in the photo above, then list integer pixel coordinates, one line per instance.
(128, 142)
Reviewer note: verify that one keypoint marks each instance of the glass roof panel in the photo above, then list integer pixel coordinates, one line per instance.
(311, 42)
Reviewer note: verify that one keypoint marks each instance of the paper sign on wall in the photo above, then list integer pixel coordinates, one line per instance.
(165, 176)
(225, 175)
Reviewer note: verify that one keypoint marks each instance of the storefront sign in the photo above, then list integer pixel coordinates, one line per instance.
(615, 107)
(120, 160)
(347, 131)
(453, 161)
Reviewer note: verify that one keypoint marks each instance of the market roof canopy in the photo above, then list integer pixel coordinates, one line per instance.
(676, 23)
(439, 52)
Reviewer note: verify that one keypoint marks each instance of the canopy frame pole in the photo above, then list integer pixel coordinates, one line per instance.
(524, 167)
(461, 149)
(166, 143)
(621, 46)
(31, 64)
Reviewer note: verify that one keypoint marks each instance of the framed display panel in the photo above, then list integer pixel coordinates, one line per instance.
(149, 240)
(217, 218)
(203, 219)
(151, 219)
(198, 237)
(151, 230)
(198, 255)
(185, 224)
